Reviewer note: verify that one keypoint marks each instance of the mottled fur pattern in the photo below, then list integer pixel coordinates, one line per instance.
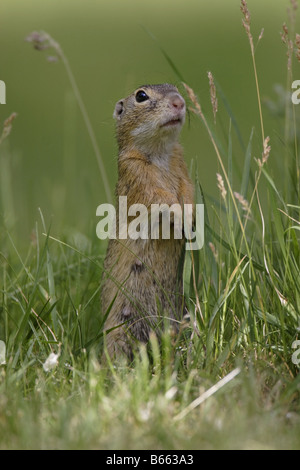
(142, 279)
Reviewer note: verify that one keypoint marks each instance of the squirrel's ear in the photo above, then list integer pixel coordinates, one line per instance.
(118, 109)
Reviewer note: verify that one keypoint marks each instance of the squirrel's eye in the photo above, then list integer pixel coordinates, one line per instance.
(141, 96)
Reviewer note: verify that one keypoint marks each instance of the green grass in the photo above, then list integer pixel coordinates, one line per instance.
(243, 295)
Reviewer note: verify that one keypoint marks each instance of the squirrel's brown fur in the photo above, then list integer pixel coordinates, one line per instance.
(142, 282)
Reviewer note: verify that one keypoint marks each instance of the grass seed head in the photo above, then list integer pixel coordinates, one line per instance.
(7, 126)
(221, 186)
(244, 203)
(193, 98)
(297, 43)
(213, 94)
(265, 153)
(247, 22)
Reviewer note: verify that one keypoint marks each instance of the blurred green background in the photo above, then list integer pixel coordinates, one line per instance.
(49, 161)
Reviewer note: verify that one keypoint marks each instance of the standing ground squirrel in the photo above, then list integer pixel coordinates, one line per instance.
(142, 280)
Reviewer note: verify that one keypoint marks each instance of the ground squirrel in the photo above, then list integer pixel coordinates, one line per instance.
(142, 279)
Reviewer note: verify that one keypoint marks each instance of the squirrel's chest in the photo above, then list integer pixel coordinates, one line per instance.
(161, 176)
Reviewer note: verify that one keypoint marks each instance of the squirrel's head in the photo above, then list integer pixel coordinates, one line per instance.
(150, 119)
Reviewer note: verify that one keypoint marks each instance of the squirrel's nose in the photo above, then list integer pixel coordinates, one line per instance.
(177, 101)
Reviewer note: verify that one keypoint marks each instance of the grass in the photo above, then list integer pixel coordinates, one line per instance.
(227, 381)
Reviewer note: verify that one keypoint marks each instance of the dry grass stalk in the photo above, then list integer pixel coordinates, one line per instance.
(42, 40)
(265, 153)
(284, 33)
(7, 126)
(214, 251)
(244, 203)
(247, 22)
(193, 98)
(221, 186)
(261, 34)
(292, 11)
(297, 43)
(197, 110)
(213, 95)
(287, 35)
(289, 44)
